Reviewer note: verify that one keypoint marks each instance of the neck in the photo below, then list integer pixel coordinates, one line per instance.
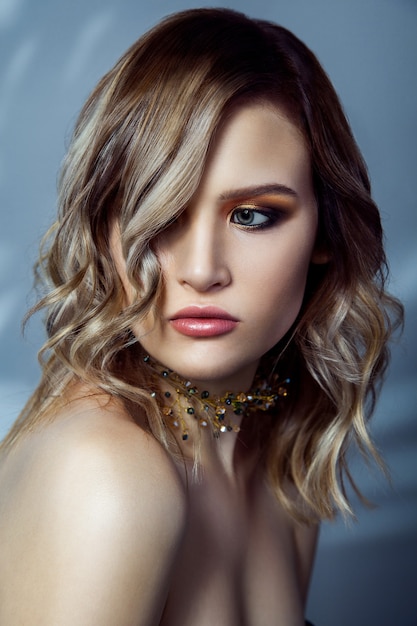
(187, 409)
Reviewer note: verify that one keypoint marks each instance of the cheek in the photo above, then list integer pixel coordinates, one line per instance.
(279, 285)
(143, 329)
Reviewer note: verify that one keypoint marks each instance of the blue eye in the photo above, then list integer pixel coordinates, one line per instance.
(252, 217)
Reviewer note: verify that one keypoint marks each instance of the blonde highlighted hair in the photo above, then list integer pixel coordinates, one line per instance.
(137, 156)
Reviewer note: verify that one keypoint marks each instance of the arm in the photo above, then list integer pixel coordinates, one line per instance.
(98, 525)
(305, 543)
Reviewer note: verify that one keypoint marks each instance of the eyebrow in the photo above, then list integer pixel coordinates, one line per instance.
(258, 190)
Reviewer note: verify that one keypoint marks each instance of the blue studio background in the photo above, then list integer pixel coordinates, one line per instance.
(51, 55)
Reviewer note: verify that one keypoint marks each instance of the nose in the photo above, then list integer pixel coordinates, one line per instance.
(201, 255)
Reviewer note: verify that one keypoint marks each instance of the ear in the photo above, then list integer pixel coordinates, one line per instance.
(320, 255)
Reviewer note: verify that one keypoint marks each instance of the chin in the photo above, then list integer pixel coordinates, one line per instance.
(227, 376)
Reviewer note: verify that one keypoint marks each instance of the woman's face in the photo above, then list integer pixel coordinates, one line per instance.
(235, 263)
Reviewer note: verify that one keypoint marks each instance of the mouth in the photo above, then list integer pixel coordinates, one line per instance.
(203, 321)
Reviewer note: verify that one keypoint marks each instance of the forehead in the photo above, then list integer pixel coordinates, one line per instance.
(258, 144)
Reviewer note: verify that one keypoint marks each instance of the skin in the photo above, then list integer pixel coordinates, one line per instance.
(209, 258)
(98, 524)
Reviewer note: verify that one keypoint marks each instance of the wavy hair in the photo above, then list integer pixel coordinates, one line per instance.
(137, 156)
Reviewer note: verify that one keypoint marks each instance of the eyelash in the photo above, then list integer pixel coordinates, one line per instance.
(272, 217)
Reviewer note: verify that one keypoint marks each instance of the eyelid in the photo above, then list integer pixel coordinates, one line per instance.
(266, 208)
(270, 202)
(254, 206)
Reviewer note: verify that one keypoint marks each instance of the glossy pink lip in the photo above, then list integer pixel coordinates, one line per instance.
(196, 321)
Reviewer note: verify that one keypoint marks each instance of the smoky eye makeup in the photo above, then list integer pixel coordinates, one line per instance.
(261, 214)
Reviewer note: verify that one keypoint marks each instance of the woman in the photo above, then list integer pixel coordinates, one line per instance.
(217, 328)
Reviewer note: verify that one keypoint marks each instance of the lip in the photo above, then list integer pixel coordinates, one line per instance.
(208, 321)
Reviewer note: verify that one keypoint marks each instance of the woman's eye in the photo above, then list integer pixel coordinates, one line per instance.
(252, 217)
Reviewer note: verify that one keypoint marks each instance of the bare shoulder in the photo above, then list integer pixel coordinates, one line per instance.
(305, 538)
(94, 444)
(302, 537)
(99, 509)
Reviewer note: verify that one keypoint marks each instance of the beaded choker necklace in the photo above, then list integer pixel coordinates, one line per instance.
(180, 397)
